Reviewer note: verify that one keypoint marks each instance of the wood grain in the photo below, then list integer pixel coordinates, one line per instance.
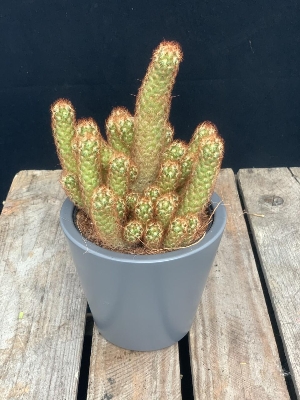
(121, 374)
(233, 350)
(42, 306)
(275, 193)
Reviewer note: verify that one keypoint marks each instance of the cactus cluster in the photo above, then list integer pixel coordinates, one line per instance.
(139, 187)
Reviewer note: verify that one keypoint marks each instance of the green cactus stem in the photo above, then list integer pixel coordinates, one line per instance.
(87, 125)
(169, 176)
(152, 112)
(63, 129)
(169, 134)
(176, 233)
(133, 232)
(153, 235)
(121, 209)
(192, 229)
(153, 192)
(175, 151)
(120, 130)
(106, 219)
(125, 123)
(144, 210)
(131, 200)
(186, 165)
(74, 146)
(198, 189)
(88, 159)
(113, 135)
(107, 154)
(165, 208)
(203, 130)
(118, 175)
(70, 185)
(84, 127)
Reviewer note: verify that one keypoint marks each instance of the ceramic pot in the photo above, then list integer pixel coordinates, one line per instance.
(143, 302)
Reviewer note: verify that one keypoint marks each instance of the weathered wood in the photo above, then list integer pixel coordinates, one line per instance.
(232, 346)
(42, 306)
(121, 374)
(275, 194)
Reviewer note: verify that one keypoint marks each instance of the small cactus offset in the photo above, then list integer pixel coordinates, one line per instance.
(140, 188)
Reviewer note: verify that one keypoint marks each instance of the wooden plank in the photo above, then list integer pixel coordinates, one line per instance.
(42, 306)
(232, 346)
(275, 193)
(121, 374)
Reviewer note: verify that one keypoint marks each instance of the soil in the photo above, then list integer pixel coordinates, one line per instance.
(87, 229)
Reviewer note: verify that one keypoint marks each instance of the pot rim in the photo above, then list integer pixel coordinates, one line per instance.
(215, 231)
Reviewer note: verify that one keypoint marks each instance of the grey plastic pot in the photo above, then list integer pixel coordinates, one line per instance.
(143, 302)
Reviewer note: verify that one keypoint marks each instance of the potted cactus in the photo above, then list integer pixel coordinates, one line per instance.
(142, 221)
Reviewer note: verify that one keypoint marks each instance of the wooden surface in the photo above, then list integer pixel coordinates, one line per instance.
(131, 375)
(275, 193)
(42, 307)
(232, 346)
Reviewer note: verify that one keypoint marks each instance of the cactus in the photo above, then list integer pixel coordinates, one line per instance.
(140, 188)
(152, 112)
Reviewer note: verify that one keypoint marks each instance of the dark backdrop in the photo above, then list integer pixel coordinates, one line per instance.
(240, 70)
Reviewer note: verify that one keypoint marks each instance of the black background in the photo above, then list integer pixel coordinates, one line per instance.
(240, 70)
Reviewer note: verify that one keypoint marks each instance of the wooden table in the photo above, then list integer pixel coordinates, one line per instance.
(234, 352)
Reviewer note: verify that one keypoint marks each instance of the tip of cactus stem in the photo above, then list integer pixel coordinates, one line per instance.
(213, 146)
(169, 51)
(119, 112)
(210, 127)
(175, 151)
(133, 232)
(120, 129)
(144, 210)
(169, 175)
(176, 232)
(103, 197)
(117, 115)
(153, 235)
(87, 125)
(120, 163)
(62, 104)
(153, 192)
(204, 130)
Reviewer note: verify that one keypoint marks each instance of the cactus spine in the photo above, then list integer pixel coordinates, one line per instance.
(140, 187)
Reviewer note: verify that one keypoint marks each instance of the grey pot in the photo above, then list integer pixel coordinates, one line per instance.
(143, 302)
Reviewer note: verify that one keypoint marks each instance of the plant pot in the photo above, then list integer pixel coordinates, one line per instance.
(143, 302)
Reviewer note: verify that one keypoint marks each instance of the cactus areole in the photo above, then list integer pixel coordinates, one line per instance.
(139, 208)
(140, 191)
